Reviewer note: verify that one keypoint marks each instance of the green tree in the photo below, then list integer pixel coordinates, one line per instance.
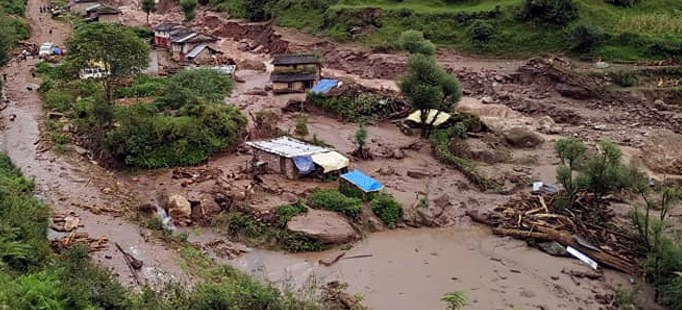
(361, 136)
(114, 47)
(426, 86)
(256, 10)
(188, 7)
(148, 6)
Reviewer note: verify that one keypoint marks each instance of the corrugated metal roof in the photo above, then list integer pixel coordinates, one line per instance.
(196, 51)
(295, 59)
(185, 38)
(287, 147)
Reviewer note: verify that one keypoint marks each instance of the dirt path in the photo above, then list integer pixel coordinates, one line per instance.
(73, 184)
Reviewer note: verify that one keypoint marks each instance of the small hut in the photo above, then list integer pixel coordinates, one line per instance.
(295, 73)
(294, 158)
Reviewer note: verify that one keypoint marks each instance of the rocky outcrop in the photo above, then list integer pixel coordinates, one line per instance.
(327, 226)
(439, 213)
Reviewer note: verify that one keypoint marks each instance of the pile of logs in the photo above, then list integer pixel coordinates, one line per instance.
(586, 226)
(80, 237)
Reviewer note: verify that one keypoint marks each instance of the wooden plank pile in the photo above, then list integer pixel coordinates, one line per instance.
(591, 228)
(94, 244)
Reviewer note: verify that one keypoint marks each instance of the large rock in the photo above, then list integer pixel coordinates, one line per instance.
(327, 226)
(575, 92)
(179, 209)
(521, 137)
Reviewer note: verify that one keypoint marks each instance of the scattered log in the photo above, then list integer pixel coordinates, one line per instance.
(133, 263)
(332, 261)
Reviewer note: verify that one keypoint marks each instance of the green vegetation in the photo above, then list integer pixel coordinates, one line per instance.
(634, 30)
(455, 300)
(426, 86)
(286, 212)
(623, 78)
(413, 41)
(189, 8)
(440, 146)
(13, 27)
(333, 200)
(90, 46)
(148, 6)
(365, 107)
(301, 128)
(243, 227)
(387, 209)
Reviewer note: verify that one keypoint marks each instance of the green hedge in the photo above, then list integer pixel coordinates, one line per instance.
(333, 200)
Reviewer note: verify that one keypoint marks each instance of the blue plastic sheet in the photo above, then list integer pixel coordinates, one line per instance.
(324, 86)
(362, 181)
(304, 164)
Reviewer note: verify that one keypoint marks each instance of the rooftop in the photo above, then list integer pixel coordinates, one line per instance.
(293, 77)
(295, 59)
(165, 26)
(200, 48)
(287, 147)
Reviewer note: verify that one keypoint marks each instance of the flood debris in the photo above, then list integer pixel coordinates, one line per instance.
(334, 292)
(133, 263)
(331, 260)
(536, 218)
(226, 249)
(82, 238)
(65, 223)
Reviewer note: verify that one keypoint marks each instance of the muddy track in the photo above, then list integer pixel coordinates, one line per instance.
(70, 184)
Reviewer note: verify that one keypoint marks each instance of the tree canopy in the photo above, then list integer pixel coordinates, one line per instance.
(148, 6)
(114, 47)
(426, 86)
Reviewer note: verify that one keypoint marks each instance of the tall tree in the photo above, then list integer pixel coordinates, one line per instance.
(188, 7)
(148, 6)
(116, 48)
(426, 86)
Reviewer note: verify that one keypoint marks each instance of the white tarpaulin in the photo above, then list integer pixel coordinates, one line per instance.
(442, 117)
(330, 161)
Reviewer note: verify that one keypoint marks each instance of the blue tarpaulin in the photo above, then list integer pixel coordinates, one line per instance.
(324, 85)
(362, 181)
(304, 164)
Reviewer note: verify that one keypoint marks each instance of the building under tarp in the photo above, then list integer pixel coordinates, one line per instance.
(361, 181)
(294, 158)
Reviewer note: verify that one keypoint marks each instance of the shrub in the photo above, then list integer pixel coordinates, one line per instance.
(481, 32)
(208, 84)
(59, 100)
(296, 242)
(623, 78)
(143, 86)
(301, 128)
(188, 7)
(414, 42)
(286, 212)
(587, 37)
(623, 3)
(333, 200)
(387, 209)
(557, 12)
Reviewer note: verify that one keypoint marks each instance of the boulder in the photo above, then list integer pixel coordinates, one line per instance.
(522, 138)
(416, 174)
(248, 64)
(329, 227)
(571, 91)
(179, 208)
(398, 154)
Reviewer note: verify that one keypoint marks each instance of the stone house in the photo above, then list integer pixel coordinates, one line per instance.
(295, 73)
(103, 14)
(79, 7)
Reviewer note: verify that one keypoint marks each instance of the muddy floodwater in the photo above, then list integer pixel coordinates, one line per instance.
(414, 268)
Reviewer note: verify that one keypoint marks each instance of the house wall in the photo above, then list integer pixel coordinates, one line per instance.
(204, 57)
(162, 41)
(109, 18)
(79, 8)
(277, 164)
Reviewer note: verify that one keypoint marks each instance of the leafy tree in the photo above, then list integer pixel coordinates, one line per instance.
(587, 38)
(414, 42)
(188, 7)
(256, 10)
(426, 86)
(148, 6)
(557, 12)
(114, 47)
(481, 32)
(361, 135)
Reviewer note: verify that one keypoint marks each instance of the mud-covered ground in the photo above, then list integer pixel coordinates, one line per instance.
(405, 268)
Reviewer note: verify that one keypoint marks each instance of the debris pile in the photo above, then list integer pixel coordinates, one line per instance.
(593, 230)
(65, 223)
(195, 175)
(226, 249)
(83, 238)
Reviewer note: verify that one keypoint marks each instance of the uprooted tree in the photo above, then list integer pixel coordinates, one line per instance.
(427, 87)
(114, 48)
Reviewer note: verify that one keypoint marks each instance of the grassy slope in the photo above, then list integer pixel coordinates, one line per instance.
(651, 20)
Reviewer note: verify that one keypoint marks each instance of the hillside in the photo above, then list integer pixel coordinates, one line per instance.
(647, 30)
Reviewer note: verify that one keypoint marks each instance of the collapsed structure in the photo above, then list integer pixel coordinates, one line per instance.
(294, 158)
(185, 44)
(295, 73)
(94, 11)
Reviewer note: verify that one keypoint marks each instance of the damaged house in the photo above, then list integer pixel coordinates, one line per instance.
(295, 73)
(103, 14)
(185, 44)
(294, 158)
(79, 7)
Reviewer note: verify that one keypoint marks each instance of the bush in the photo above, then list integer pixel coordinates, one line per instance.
(143, 86)
(587, 37)
(333, 200)
(188, 7)
(623, 78)
(557, 12)
(481, 32)
(414, 42)
(59, 100)
(286, 212)
(208, 84)
(622, 3)
(387, 209)
(301, 128)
